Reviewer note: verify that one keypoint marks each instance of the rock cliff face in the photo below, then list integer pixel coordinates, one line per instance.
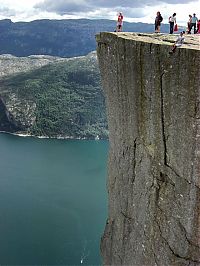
(154, 162)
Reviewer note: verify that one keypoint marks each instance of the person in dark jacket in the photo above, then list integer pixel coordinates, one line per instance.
(158, 21)
(189, 24)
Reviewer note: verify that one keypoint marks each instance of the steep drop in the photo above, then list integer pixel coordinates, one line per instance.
(154, 123)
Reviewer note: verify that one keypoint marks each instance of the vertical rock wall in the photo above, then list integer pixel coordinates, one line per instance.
(7, 121)
(154, 176)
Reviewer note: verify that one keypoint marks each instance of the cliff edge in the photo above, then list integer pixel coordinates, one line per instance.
(153, 111)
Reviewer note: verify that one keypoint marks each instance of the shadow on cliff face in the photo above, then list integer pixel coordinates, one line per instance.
(7, 121)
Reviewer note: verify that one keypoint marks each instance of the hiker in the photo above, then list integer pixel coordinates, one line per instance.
(172, 21)
(194, 22)
(198, 27)
(179, 41)
(158, 21)
(119, 22)
(189, 24)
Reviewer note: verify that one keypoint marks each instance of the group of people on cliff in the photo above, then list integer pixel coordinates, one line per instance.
(193, 22)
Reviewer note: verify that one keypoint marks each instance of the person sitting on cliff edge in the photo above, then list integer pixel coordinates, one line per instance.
(179, 41)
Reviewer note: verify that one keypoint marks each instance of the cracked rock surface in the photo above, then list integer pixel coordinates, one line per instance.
(153, 111)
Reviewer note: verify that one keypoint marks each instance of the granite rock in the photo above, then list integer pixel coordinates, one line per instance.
(152, 100)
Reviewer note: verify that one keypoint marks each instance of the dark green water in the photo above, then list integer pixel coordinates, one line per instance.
(52, 200)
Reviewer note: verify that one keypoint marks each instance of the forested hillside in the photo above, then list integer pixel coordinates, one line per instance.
(61, 99)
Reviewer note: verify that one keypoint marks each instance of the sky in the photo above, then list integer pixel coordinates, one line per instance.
(133, 10)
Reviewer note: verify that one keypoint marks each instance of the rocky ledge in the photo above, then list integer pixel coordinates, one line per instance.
(153, 109)
(191, 41)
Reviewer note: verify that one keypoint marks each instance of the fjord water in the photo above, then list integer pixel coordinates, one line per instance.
(52, 200)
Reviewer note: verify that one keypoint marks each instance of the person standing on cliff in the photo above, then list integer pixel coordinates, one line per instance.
(119, 22)
(194, 23)
(158, 21)
(198, 27)
(172, 21)
(189, 24)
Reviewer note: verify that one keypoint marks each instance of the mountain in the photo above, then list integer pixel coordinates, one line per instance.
(10, 64)
(64, 38)
(46, 95)
(53, 97)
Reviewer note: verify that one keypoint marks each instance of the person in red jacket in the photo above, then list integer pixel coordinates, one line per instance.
(119, 22)
(198, 26)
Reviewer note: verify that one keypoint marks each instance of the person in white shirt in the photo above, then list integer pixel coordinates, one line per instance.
(194, 23)
(179, 41)
(172, 21)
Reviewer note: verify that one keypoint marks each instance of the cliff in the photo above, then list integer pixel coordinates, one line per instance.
(152, 101)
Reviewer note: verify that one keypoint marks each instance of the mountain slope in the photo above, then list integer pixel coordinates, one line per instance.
(61, 99)
(64, 38)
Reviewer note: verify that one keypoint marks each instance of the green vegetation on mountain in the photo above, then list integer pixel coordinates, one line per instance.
(62, 99)
(54, 96)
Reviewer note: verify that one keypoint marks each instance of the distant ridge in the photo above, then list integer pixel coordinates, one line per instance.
(64, 38)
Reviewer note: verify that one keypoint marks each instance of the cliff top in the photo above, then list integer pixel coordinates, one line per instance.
(191, 41)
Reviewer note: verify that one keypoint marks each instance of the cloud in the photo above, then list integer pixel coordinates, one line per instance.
(62, 7)
(100, 8)
(5, 11)
(133, 10)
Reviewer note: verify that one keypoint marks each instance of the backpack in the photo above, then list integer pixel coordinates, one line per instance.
(169, 19)
(161, 18)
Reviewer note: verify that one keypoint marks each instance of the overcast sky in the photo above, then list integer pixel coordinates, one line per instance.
(133, 10)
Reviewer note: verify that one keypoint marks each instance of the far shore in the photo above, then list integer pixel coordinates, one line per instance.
(24, 135)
